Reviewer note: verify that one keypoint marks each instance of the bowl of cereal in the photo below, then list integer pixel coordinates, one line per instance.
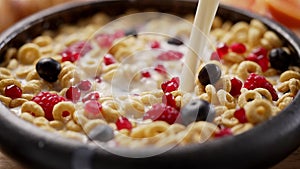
(85, 86)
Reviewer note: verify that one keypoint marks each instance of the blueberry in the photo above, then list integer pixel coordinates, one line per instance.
(131, 32)
(279, 59)
(102, 133)
(209, 74)
(175, 41)
(48, 69)
(195, 110)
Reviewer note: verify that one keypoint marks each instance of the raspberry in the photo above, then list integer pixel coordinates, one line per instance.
(238, 48)
(170, 55)
(108, 59)
(259, 56)
(123, 123)
(92, 109)
(75, 51)
(13, 91)
(169, 100)
(84, 85)
(91, 96)
(162, 112)
(73, 94)
(255, 81)
(236, 86)
(161, 69)
(155, 44)
(145, 74)
(215, 56)
(222, 49)
(98, 79)
(170, 85)
(240, 114)
(47, 101)
(105, 40)
(223, 132)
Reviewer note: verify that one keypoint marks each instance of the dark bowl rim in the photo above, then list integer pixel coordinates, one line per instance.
(288, 120)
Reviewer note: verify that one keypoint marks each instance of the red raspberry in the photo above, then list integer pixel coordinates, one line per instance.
(108, 59)
(215, 56)
(162, 112)
(105, 40)
(91, 96)
(145, 74)
(47, 101)
(161, 69)
(170, 55)
(123, 123)
(255, 81)
(236, 86)
(73, 94)
(240, 114)
(238, 48)
(170, 85)
(84, 85)
(222, 49)
(259, 56)
(169, 100)
(75, 51)
(13, 91)
(223, 132)
(155, 45)
(93, 109)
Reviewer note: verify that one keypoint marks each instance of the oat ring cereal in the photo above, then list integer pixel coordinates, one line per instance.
(103, 81)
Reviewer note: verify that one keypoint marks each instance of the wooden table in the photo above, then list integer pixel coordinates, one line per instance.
(291, 162)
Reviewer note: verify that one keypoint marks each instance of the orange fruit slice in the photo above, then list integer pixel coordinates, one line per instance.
(285, 11)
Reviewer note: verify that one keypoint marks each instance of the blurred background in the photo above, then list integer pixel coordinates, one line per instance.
(284, 11)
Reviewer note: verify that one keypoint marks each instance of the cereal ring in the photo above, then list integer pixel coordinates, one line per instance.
(28, 53)
(289, 74)
(111, 111)
(248, 96)
(40, 121)
(241, 128)
(92, 124)
(27, 117)
(5, 100)
(155, 128)
(17, 102)
(247, 67)
(32, 108)
(224, 83)
(60, 108)
(228, 119)
(13, 64)
(5, 74)
(258, 111)
(71, 125)
(56, 124)
(7, 82)
(264, 93)
(226, 99)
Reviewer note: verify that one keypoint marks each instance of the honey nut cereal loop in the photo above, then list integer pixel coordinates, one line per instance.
(258, 111)
(248, 96)
(5, 73)
(60, 108)
(32, 108)
(28, 53)
(247, 67)
(7, 82)
(287, 75)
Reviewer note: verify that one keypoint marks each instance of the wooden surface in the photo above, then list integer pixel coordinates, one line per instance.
(291, 162)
